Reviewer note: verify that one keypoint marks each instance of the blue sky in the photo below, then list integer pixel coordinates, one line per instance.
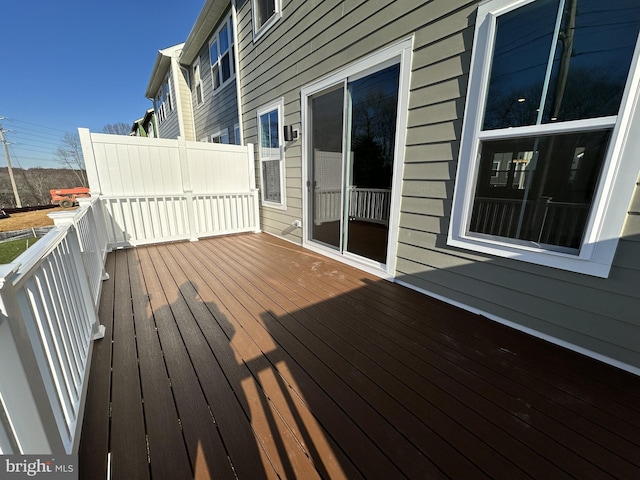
(79, 63)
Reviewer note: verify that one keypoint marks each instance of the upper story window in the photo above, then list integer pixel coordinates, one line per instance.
(221, 52)
(164, 101)
(197, 82)
(265, 13)
(548, 110)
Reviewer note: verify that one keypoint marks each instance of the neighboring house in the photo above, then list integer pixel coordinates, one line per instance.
(168, 88)
(482, 153)
(209, 54)
(145, 126)
(419, 161)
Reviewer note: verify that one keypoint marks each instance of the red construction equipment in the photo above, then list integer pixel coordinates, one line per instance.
(67, 197)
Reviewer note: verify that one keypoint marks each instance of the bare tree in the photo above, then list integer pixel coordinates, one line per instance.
(117, 128)
(69, 154)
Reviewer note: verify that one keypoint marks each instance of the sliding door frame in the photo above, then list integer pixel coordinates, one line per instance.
(397, 53)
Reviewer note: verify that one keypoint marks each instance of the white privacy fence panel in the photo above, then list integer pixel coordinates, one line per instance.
(132, 165)
(158, 190)
(48, 299)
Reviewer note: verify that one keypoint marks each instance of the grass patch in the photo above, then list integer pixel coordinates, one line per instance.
(12, 249)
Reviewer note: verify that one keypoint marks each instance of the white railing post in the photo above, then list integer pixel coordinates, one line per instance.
(255, 193)
(91, 166)
(187, 188)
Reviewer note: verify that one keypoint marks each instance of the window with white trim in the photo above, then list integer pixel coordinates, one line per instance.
(265, 13)
(270, 152)
(220, 137)
(221, 52)
(236, 133)
(549, 104)
(164, 101)
(197, 83)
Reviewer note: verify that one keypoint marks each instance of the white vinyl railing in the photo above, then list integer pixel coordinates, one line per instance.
(48, 318)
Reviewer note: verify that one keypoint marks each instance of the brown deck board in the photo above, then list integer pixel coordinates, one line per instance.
(229, 355)
(127, 438)
(167, 454)
(260, 359)
(190, 357)
(94, 442)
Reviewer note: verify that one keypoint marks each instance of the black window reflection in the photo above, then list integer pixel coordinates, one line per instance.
(539, 189)
(591, 62)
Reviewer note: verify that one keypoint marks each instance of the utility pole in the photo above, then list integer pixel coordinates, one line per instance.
(6, 155)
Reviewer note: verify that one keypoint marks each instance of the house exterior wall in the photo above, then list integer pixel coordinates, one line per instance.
(219, 108)
(596, 315)
(179, 121)
(170, 126)
(217, 111)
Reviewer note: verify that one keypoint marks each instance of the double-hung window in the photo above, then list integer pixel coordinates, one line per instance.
(270, 151)
(221, 52)
(265, 13)
(164, 101)
(550, 104)
(197, 82)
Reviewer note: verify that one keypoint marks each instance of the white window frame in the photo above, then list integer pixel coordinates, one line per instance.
(262, 29)
(236, 133)
(220, 136)
(279, 156)
(616, 185)
(197, 82)
(215, 38)
(164, 101)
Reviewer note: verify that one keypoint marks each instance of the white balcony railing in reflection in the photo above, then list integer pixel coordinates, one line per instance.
(365, 204)
(543, 221)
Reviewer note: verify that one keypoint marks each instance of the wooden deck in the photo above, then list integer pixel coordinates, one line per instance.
(249, 357)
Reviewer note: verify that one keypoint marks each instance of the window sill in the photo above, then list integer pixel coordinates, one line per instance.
(223, 86)
(594, 259)
(277, 206)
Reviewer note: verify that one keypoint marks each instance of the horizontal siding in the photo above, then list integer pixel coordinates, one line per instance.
(218, 110)
(170, 127)
(314, 39)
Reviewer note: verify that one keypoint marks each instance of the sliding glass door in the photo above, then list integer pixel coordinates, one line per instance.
(352, 127)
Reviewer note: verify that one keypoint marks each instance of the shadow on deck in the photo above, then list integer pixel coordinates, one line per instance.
(249, 357)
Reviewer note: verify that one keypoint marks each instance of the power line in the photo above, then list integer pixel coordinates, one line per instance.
(32, 124)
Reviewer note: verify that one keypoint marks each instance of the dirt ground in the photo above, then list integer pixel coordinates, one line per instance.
(20, 221)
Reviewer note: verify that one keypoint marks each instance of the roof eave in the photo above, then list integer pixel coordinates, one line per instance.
(160, 68)
(207, 19)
